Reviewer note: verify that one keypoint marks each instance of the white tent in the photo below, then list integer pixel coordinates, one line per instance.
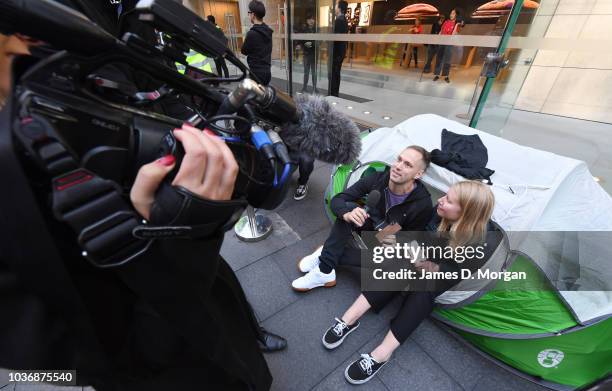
(534, 191)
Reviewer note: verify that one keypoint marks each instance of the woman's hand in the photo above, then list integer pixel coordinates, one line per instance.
(208, 170)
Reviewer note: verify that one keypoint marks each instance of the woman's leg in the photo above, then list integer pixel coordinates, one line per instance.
(356, 310)
(366, 300)
(384, 351)
(416, 307)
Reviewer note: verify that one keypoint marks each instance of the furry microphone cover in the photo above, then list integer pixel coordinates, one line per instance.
(322, 132)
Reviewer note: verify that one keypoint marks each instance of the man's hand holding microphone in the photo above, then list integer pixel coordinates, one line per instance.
(357, 216)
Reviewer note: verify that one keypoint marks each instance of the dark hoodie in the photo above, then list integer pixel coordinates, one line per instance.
(413, 214)
(258, 49)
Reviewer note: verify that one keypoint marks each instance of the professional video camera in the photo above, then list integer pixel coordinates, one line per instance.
(76, 118)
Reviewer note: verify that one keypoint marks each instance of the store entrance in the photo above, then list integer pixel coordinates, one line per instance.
(416, 57)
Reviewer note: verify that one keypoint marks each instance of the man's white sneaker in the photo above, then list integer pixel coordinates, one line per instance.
(310, 261)
(314, 279)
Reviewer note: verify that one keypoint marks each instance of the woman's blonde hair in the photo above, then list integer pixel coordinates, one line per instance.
(476, 201)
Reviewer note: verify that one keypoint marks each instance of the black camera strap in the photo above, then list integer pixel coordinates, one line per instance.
(30, 253)
(103, 220)
(93, 207)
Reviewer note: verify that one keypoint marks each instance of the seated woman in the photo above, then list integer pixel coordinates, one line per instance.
(464, 214)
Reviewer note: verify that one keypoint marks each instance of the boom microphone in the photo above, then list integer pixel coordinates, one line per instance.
(322, 132)
(310, 124)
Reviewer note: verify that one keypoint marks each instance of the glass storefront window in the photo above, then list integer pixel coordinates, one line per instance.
(559, 65)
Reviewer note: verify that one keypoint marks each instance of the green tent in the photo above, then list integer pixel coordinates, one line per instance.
(554, 328)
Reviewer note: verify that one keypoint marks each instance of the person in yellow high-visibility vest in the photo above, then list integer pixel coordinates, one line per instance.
(198, 61)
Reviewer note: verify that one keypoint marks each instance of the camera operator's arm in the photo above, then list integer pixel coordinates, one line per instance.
(344, 204)
(199, 198)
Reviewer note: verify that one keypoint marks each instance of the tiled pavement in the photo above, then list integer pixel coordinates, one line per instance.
(431, 359)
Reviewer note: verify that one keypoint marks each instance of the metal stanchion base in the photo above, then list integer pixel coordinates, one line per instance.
(253, 227)
(463, 116)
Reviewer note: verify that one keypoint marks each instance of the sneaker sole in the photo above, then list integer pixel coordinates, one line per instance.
(299, 198)
(330, 284)
(330, 346)
(357, 382)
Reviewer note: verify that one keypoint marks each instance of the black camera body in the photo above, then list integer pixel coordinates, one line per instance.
(70, 110)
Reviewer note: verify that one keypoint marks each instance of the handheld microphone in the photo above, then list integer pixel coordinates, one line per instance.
(372, 201)
(370, 206)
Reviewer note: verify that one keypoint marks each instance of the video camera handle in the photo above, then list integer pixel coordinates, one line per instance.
(173, 18)
(54, 23)
(76, 73)
(67, 29)
(189, 29)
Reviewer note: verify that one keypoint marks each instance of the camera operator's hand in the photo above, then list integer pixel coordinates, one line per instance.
(208, 170)
(357, 216)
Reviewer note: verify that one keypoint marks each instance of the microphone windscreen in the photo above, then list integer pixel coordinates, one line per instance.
(372, 200)
(322, 132)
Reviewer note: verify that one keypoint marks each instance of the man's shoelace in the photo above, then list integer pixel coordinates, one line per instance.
(339, 327)
(366, 363)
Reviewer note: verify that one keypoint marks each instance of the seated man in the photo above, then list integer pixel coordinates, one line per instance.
(404, 201)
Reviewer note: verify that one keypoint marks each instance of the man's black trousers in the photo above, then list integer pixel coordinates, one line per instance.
(335, 76)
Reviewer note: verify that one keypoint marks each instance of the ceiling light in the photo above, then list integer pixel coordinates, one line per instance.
(366, 112)
(349, 107)
(386, 117)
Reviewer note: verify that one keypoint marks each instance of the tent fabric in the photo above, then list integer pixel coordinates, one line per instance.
(576, 359)
(534, 191)
(513, 310)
